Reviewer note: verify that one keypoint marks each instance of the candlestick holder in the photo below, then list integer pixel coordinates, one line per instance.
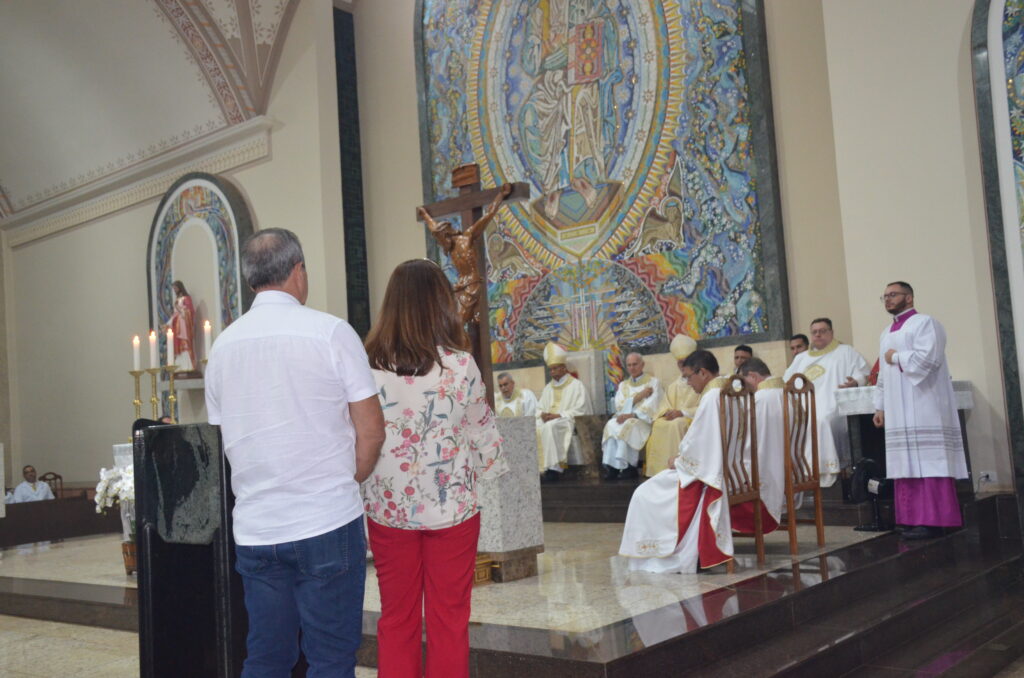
(153, 400)
(137, 403)
(172, 397)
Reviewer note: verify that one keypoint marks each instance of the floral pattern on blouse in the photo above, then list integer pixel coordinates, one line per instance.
(441, 436)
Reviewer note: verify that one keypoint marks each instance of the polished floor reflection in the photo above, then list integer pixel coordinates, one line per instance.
(583, 585)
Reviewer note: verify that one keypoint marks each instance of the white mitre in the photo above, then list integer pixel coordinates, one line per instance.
(682, 346)
(554, 355)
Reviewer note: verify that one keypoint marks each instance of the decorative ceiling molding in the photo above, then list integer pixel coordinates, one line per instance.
(228, 149)
(239, 65)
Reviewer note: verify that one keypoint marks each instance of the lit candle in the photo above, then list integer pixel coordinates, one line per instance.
(170, 347)
(135, 353)
(154, 361)
(207, 335)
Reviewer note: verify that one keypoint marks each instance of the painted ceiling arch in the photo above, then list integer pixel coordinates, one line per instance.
(93, 88)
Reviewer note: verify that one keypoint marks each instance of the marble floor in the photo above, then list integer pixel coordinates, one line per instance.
(582, 584)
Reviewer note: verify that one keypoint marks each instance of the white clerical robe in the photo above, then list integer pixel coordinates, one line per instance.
(27, 491)
(666, 434)
(567, 399)
(828, 368)
(622, 442)
(771, 438)
(651, 536)
(522, 404)
(922, 430)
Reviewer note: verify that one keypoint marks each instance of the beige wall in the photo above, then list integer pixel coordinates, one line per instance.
(907, 160)
(389, 128)
(78, 297)
(804, 141)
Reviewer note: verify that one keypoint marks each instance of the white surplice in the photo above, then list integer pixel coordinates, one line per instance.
(622, 443)
(568, 399)
(922, 429)
(650, 537)
(827, 369)
(523, 403)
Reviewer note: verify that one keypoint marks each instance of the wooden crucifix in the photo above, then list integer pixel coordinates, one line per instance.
(466, 250)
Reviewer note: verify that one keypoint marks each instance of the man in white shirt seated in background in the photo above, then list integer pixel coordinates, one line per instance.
(29, 489)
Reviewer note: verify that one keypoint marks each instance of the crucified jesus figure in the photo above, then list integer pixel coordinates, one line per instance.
(460, 247)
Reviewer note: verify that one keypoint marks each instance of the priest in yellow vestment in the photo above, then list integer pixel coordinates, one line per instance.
(675, 412)
(562, 400)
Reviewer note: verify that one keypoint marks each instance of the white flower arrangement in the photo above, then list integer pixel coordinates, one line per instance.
(117, 486)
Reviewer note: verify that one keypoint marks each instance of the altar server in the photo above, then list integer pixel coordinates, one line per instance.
(831, 366)
(562, 400)
(915, 403)
(675, 412)
(512, 401)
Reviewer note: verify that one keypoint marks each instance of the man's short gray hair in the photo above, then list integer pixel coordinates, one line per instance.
(269, 256)
(503, 375)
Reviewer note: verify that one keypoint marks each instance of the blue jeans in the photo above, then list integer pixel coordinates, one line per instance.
(315, 585)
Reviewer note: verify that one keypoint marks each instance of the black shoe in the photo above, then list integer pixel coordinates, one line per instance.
(611, 473)
(550, 476)
(629, 472)
(921, 532)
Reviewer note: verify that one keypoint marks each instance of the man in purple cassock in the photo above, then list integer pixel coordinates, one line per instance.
(916, 405)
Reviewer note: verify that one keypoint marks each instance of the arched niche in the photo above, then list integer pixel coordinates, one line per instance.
(195, 238)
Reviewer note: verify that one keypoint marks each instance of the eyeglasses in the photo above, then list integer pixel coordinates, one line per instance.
(892, 295)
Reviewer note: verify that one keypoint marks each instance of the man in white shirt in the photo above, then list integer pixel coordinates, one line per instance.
(914, 401)
(302, 426)
(29, 489)
(625, 434)
(514, 402)
(562, 400)
(831, 366)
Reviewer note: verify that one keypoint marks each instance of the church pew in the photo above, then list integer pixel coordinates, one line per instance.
(55, 519)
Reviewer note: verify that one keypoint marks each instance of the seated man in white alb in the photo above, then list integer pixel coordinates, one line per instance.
(625, 434)
(830, 366)
(29, 489)
(675, 520)
(562, 400)
(512, 401)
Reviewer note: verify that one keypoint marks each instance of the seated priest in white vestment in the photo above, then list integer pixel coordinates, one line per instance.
(625, 434)
(676, 520)
(562, 400)
(512, 401)
(30, 489)
(915, 403)
(830, 366)
(675, 412)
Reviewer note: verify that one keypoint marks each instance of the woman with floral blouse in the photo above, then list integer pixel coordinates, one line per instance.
(421, 497)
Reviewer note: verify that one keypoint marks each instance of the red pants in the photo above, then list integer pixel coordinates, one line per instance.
(424, 573)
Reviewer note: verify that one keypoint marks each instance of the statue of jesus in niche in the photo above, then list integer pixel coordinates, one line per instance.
(182, 323)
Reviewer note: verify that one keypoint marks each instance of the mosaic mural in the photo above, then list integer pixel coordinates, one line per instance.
(630, 120)
(1013, 55)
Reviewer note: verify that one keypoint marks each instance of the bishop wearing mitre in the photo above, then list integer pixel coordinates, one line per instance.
(562, 400)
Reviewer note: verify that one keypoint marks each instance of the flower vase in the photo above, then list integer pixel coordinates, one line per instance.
(128, 551)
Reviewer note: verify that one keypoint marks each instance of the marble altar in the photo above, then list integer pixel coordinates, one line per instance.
(512, 526)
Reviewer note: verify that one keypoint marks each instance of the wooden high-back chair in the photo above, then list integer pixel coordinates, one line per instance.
(740, 478)
(55, 481)
(800, 428)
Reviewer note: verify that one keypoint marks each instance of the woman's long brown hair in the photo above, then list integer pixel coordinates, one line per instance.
(419, 314)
